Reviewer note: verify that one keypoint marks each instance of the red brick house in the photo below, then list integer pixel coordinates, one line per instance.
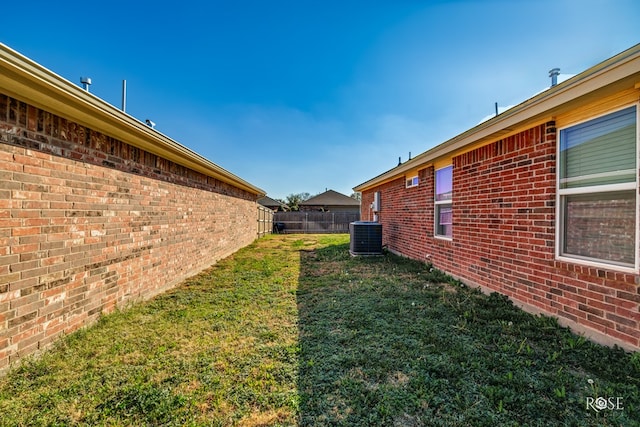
(97, 209)
(539, 203)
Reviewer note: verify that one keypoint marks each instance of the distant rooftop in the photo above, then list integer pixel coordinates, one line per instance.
(272, 203)
(331, 198)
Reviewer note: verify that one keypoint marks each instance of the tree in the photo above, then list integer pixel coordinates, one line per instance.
(357, 196)
(293, 200)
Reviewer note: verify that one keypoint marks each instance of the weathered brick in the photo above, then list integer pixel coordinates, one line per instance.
(17, 321)
(8, 278)
(30, 249)
(29, 343)
(9, 259)
(29, 273)
(25, 231)
(127, 231)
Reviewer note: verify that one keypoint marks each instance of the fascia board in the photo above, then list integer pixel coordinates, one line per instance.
(29, 82)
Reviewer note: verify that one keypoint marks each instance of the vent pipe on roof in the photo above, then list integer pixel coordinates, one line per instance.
(86, 82)
(554, 73)
(496, 108)
(399, 161)
(124, 96)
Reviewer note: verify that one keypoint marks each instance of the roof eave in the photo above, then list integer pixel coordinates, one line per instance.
(34, 84)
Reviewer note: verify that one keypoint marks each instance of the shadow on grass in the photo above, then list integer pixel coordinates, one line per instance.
(389, 341)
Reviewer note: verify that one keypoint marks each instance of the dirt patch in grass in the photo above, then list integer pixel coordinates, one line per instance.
(261, 419)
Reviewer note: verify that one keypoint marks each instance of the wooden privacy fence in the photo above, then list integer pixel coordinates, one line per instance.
(313, 222)
(265, 221)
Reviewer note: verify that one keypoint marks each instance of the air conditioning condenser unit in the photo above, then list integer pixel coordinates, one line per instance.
(365, 238)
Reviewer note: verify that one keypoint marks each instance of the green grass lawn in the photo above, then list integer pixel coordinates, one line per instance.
(292, 330)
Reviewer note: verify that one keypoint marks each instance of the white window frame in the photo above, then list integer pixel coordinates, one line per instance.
(437, 203)
(412, 181)
(605, 188)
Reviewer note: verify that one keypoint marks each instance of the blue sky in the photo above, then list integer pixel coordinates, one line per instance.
(301, 96)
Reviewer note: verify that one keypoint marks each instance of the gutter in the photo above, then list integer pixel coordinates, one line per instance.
(537, 108)
(34, 84)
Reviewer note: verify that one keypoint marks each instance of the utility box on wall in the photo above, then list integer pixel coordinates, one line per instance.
(375, 206)
(365, 238)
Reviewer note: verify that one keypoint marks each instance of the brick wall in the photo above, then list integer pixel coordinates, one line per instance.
(504, 236)
(405, 214)
(504, 213)
(88, 223)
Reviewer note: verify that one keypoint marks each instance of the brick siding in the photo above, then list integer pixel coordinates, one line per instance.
(504, 197)
(89, 223)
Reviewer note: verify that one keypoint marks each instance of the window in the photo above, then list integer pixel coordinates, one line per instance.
(443, 195)
(597, 187)
(413, 181)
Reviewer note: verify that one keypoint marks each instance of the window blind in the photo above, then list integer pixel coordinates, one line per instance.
(599, 152)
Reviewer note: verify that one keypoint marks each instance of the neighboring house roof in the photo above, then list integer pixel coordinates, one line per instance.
(32, 83)
(607, 78)
(331, 198)
(271, 203)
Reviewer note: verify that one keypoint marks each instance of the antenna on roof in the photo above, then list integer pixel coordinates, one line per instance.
(554, 73)
(86, 82)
